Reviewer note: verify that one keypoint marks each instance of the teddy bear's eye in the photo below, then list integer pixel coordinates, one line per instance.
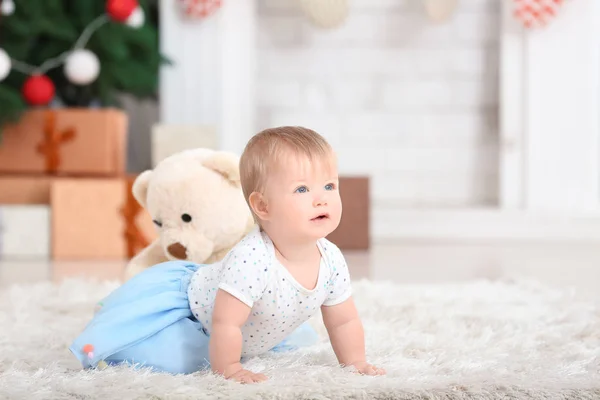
(157, 223)
(186, 217)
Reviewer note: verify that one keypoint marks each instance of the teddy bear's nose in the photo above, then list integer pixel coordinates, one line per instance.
(178, 251)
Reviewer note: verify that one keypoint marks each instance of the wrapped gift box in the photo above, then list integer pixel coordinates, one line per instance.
(97, 218)
(67, 141)
(170, 139)
(353, 233)
(24, 232)
(25, 189)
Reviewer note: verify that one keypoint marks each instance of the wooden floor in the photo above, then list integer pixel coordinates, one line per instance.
(574, 264)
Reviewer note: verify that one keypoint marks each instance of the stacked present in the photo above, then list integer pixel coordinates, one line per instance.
(64, 190)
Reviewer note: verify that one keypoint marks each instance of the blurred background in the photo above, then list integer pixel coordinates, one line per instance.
(466, 130)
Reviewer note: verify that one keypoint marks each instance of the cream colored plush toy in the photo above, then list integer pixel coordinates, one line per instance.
(196, 202)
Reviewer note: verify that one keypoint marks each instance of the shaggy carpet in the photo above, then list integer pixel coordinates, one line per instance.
(477, 340)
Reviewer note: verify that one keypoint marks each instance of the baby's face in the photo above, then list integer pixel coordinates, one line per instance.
(303, 198)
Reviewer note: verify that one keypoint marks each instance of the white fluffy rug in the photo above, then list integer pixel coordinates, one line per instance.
(481, 340)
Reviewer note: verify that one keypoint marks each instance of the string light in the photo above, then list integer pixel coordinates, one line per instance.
(60, 59)
(7, 7)
(81, 66)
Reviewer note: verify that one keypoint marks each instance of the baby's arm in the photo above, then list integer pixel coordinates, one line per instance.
(225, 346)
(347, 336)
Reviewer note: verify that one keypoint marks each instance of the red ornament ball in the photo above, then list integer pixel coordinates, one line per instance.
(120, 10)
(38, 90)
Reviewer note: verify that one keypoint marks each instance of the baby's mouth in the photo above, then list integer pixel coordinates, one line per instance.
(320, 217)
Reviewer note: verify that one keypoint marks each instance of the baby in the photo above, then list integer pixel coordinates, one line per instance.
(181, 317)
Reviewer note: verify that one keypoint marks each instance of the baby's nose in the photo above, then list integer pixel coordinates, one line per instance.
(320, 201)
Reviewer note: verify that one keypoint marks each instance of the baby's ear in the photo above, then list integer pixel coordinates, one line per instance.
(140, 187)
(259, 206)
(226, 164)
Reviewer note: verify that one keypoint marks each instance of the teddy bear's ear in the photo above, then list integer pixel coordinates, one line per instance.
(226, 164)
(140, 187)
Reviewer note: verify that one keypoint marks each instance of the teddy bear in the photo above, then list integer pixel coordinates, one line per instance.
(196, 202)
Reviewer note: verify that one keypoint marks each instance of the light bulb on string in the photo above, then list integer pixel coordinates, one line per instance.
(5, 64)
(137, 18)
(82, 67)
(7, 7)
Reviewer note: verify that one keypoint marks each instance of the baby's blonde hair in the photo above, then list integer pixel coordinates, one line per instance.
(265, 149)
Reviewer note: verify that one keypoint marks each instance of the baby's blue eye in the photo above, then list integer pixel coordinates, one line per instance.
(302, 189)
(329, 186)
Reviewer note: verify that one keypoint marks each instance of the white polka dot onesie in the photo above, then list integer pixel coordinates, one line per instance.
(252, 273)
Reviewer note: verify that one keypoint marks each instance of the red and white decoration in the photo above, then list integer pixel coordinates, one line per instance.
(81, 66)
(536, 13)
(199, 9)
(326, 14)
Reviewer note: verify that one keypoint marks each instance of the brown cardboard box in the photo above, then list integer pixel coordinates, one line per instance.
(90, 220)
(25, 189)
(68, 141)
(353, 233)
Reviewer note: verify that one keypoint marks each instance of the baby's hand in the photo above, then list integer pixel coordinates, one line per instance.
(241, 375)
(245, 376)
(365, 368)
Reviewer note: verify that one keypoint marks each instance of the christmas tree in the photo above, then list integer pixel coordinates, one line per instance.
(118, 53)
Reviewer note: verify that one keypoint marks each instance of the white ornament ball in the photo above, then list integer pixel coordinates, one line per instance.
(8, 7)
(327, 14)
(136, 19)
(82, 67)
(440, 10)
(5, 64)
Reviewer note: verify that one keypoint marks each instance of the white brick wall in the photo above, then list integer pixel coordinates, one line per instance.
(407, 101)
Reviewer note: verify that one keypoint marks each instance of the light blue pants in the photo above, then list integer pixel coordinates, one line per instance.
(147, 322)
